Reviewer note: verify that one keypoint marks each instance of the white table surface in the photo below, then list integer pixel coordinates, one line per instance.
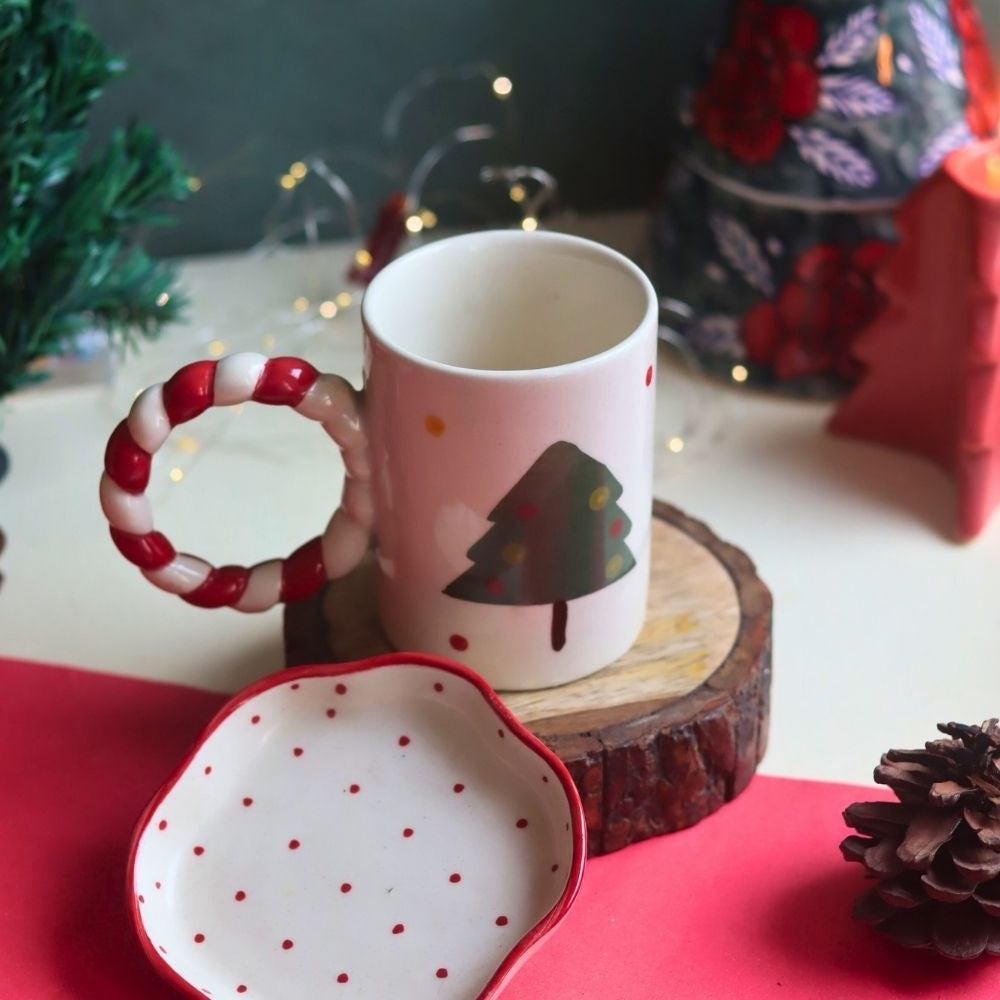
(883, 625)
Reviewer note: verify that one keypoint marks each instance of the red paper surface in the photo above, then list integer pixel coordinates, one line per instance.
(753, 902)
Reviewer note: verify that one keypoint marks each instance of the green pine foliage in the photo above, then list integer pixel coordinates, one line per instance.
(68, 219)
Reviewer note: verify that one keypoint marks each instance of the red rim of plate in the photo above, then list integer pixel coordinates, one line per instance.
(578, 827)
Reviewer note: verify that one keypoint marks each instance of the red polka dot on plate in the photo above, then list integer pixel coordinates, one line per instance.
(345, 887)
(521, 823)
(398, 929)
(458, 787)
(343, 977)
(454, 877)
(255, 720)
(240, 896)
(501, 921)
(298, 751)
(438, 686)
(164, 950)
(141, 898)
(442, 973)
(247, 801)
(198, 938)
(158, 886)
(208, 769)
(241, 988)
(555, 868)
(162, 825)
(293, 845)
(458, 642)
(287, 944)
(545, 778)
(404, 741)
(354, 789)
(331, 713)
(199, 850)
(501, 734)
(341, 689)
(408, 832)
(295, 686)
(649, 375)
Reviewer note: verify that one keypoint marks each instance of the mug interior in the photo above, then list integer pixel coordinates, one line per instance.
(507, 301)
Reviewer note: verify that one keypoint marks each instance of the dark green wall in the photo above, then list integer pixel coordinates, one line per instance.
(243, 87)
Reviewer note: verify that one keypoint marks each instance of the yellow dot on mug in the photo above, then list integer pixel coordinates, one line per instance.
(598, 498)
(513, 553)
(434, 425)
(613, 566)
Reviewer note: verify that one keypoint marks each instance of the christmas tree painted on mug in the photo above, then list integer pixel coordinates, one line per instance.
(557, 535)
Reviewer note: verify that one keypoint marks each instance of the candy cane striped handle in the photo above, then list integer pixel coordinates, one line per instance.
(238, 378)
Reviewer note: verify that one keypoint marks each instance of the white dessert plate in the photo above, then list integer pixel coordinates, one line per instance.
(382, 829)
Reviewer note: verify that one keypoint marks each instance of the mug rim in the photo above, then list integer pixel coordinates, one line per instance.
(650, 314)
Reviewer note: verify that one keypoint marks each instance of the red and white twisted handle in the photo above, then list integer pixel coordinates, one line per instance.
(238, 378)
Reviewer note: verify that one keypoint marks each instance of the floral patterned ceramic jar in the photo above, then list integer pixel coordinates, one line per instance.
(815, 118)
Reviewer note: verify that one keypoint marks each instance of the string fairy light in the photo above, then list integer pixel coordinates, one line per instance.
(739, 373)
(531, 188)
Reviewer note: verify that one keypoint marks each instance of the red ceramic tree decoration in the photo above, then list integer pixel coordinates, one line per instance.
(931, 382)
(557, 535)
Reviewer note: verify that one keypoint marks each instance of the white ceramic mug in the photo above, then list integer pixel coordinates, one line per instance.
(500, 455)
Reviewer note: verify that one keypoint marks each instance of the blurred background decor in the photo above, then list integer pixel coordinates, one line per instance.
(929, 361)
(68, 262)
(813, 121)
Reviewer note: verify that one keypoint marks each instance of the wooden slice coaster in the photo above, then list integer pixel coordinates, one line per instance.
(662, 737)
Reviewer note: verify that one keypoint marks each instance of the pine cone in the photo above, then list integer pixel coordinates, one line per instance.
(936, 852)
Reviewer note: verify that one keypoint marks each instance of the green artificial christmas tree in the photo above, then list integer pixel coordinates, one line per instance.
(558, 534)
(67, 220)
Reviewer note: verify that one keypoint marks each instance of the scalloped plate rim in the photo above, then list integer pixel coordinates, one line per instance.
(578, 829)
